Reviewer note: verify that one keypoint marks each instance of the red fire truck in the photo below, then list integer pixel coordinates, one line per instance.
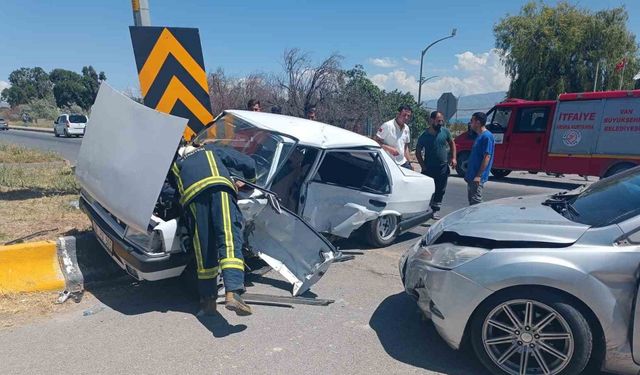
(590, 134)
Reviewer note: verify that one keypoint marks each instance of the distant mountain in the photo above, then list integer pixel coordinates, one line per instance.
(469, 104)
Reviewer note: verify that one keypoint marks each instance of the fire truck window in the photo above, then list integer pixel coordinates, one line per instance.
(500, 121)
(532, 120)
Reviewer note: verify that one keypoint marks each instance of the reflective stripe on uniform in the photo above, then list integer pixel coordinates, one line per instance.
(230, 261)
(176, 173)
(203, 273)
(212, 163)
(197, 187)
(207, 274)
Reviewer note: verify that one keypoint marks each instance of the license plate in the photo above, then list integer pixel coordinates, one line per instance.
(102, 236)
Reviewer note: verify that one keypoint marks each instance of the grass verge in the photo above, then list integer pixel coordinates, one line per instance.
(36, 195)
(10, 153)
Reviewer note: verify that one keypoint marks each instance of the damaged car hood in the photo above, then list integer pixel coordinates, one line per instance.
(512, 219)
(125, 155)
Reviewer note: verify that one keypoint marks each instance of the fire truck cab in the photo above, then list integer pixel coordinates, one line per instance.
(590, 134)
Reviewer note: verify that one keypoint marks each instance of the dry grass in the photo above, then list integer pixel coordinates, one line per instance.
(42, 123)
(46, 179)
(38, 197)
(19, 308)
(10, 153)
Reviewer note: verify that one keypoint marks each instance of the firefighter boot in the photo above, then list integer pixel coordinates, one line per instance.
(234, 302)
(207, 306)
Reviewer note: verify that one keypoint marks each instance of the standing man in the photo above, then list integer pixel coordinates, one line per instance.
(438, 145)
(394, 137)
(253, 105)
(481, 158)
(310, 113)
(208, 196)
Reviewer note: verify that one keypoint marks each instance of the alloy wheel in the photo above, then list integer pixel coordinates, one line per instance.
(386, 226)
(527, 337)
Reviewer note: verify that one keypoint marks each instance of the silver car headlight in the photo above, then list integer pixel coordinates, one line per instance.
(447, 255)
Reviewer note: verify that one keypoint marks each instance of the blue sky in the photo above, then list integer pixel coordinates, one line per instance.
(245, 37)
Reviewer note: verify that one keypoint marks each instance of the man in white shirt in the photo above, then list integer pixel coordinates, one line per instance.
(394, 137)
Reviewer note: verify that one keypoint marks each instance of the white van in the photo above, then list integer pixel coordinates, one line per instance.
(69, 125)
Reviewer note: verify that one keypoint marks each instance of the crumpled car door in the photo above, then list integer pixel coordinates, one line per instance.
(286, 242)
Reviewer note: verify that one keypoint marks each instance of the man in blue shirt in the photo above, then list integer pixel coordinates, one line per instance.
(481, 158)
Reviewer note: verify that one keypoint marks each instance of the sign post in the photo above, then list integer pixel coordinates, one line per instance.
(448, 105)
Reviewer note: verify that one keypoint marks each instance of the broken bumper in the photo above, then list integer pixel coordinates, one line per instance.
(446, 297)
(128, 256)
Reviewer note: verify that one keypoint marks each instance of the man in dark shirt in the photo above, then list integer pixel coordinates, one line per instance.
(439, 152)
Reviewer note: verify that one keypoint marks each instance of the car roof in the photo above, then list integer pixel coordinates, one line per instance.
(308, 132)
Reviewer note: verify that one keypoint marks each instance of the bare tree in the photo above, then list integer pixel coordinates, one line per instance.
(305, 85)
(234, 93)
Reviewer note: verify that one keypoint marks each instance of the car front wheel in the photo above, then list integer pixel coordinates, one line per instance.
(530, 331)
(463, 162)
(382, 231)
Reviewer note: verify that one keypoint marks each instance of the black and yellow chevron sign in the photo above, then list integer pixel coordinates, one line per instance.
(171, 72)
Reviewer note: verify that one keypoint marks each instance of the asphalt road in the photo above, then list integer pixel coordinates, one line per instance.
(67, 147)
(372, 327)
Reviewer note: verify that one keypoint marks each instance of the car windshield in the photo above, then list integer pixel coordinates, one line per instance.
(78, 119)
(609, 201)
(268, 149)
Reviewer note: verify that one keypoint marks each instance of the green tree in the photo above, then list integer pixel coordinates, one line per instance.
(71, 88)
(550, 50)
(27, 84)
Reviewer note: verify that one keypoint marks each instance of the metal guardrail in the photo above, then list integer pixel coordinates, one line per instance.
(31, 129)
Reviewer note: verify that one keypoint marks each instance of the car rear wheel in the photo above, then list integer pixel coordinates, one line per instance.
(66, 133)
(500, 173)
(382, 231)
(55, 132)
(530, 331)
(463, 162)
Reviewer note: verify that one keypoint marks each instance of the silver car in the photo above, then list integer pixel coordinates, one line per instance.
(539, 284)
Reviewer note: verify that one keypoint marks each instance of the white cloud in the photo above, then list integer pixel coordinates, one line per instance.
(398, 79)
(383, 62)
(411, 61)
(473, 74)
(4, 85)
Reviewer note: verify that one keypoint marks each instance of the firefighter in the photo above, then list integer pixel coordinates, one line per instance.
(208, 196)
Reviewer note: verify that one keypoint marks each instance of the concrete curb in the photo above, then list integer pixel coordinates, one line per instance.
(31, 129)
(30, 267)
(67, 265)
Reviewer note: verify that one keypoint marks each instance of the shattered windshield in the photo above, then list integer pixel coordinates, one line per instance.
(268, 149)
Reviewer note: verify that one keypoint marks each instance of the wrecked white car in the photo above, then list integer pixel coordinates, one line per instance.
(122, 165)
(336, 180)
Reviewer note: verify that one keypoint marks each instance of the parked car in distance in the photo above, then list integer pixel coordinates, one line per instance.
(540, 284)
(3, 124)
(69, 125)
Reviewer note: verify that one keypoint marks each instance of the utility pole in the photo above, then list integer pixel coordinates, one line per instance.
(595, 80)
(420, 79)
(141, 16)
